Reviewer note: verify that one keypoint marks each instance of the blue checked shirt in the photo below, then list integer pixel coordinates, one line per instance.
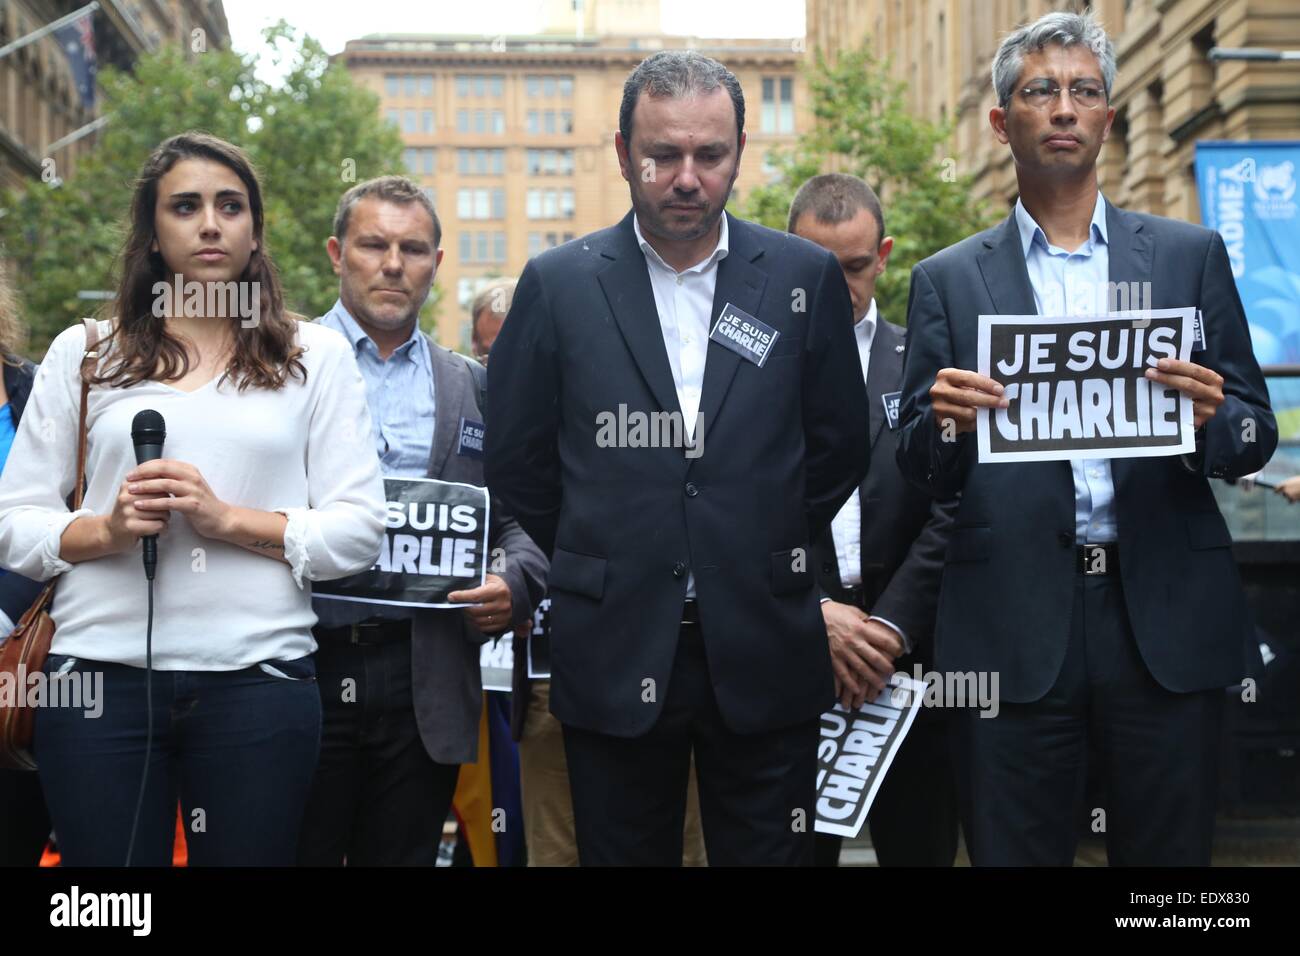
(400, 394)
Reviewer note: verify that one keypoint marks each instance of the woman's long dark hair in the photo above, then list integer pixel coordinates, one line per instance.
(265, 355)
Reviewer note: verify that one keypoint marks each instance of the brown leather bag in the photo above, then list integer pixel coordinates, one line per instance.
(24, 651)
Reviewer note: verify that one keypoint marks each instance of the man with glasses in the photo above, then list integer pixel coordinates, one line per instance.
(1130, 663)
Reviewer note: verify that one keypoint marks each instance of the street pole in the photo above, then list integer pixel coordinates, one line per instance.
(1252, 53)
(48, 29)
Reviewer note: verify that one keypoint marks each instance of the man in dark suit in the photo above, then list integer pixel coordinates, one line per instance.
(678, 477)
(1102, 592)
(401, 690)
(880, 562)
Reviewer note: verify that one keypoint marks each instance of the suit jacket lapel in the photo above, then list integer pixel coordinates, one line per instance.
(883, 372)
(1002, 263)
(1129, 251)
(741, 284)
(626, 284)
(447, 404)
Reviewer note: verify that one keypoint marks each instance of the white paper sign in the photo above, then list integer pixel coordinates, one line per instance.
(1077, 386)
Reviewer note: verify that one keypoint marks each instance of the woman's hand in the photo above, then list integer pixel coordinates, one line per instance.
(189, 494)
(127, 522)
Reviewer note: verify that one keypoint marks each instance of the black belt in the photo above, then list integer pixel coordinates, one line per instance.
(854, 595)
(366, 633)
(690, 612)
(1097, 560)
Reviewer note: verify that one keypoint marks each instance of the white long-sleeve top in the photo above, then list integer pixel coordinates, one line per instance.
(302, 450)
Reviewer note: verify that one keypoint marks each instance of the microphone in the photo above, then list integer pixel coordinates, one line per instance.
(148, 431)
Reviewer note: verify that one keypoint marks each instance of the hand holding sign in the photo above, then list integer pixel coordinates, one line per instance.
(490, 608)
(1202, 385)
(957, 393)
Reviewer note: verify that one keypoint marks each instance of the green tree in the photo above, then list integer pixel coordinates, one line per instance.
(863, 127)
(311, 137)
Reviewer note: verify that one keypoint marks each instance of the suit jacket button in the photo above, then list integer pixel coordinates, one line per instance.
(1066, 539)
(679, 570)
(691, 490)
(826, 568)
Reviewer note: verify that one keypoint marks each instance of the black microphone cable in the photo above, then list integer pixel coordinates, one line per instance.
(148, 739)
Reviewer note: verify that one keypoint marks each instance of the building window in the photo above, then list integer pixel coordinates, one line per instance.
(419, 160)
(392, 84)
(480, 85)
(481, 203)
(550, 86)
(462, 121)
(549, 121)
(549, 204)
(394, 118)
(540, 241)
(409, 121)
(481, 162)
(426, 121)
(778, 105)
(426, 84)
(550, 162)
(409, 84)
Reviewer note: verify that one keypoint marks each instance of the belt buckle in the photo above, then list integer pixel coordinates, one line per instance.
(355, 631)
(1094, 560)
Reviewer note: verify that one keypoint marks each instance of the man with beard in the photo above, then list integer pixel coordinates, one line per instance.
(676, 412)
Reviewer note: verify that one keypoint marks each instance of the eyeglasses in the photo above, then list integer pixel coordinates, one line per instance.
(1087, 95)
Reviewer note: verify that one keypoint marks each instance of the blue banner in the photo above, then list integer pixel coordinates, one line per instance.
(1248, 192)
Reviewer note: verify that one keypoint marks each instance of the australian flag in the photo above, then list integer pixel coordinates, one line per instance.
(78, 42)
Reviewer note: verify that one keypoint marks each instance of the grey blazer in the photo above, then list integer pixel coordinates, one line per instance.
(447, 685)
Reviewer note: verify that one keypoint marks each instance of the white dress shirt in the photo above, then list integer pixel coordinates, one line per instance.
(684, 301)
(846, 526)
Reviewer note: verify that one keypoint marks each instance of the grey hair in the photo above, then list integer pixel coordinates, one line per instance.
(674, 74)
(1061, 27)
(394, 189)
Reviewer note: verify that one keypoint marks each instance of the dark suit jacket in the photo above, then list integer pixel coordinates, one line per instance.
(1008, 583)
(447, 683)
(782, 447)
(17, 592)
(904, 530)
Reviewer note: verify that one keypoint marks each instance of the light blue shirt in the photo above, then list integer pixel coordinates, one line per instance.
(400, 394)
(1076, 283)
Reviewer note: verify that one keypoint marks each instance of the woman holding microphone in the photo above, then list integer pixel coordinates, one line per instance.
(266, 482)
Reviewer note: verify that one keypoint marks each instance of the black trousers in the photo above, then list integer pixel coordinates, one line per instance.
(378, 798)
(756, 790)
(1022, 774)
(24, 821)
(913, 820)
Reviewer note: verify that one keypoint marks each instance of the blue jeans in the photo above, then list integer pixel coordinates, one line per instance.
(237, 749)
